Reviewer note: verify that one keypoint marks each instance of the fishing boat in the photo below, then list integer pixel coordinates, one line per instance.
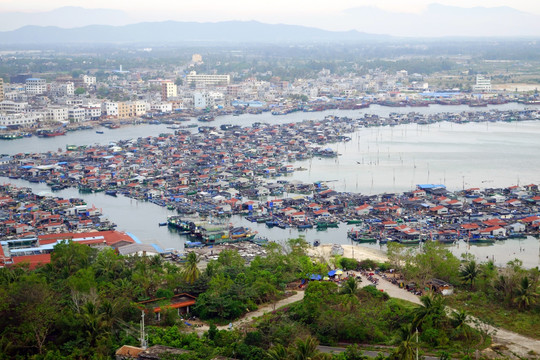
(327, 224)
(180, 224)
(404, 241)
(360, 236)
(206, 118)
(353, 221)
(12, 136)
(99, 132)
(241, 233)
(50, 133)
(111, 193)
(481, 239)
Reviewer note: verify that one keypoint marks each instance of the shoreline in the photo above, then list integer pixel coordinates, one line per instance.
(359, 253)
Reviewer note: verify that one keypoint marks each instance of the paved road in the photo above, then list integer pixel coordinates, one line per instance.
(370, 353)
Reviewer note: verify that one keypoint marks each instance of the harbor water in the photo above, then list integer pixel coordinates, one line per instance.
(376, 160)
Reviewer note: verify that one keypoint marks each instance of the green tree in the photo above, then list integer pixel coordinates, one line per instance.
(306, 349)
(432, 308)
(469, 273)
(80, 91)
(525, 294)
(406, 348)
(278, 352)
(191, 268)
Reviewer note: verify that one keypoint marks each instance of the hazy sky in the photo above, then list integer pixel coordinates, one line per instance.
(325, 14)
(249, 9)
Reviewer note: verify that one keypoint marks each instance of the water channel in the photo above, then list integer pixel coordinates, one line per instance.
(382, 159)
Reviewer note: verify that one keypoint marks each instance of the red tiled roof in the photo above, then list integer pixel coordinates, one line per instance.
(33, 260)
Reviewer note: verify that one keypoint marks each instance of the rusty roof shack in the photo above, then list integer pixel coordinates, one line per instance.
(181, 302)
(440, 286)
(155, 352)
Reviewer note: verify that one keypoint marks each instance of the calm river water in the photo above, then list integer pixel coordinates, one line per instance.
(385, 159)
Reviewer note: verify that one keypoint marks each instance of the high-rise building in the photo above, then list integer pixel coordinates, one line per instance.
(194, 78)
(196, 58)
(35, 86)
(1, 89)
(168, 90)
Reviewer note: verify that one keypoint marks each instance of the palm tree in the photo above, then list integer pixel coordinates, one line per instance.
(350, 290)
(525, 294)
(191, 270)
(459, 321)
(306, 350)
(278, 352)
(469, 272)
(405, 350)
(432, 306)
(350, 287)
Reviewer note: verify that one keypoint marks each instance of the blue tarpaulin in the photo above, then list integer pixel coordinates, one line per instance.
(315, 277)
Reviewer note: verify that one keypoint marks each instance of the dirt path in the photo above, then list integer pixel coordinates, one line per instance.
(247, 318)
(517, 344)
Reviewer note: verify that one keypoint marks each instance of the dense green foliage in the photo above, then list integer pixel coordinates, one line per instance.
(367, 315)
(508, 297)
(83, 305)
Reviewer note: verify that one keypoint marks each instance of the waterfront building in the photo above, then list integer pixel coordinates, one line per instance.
(9, 106)
(205, 79)
(110, 108)
(483, 84)
(162, 107)
(168, 90)
(202, 100)
(35, 86)
(76, 114)
(57, 113)
(28, 119)
(92, 111)
(131, 109)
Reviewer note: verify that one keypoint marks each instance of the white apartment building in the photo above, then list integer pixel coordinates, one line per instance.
(92, 112)
(1, 89)
(88, 80)
(13, 106)
(76, 114)
(110, 108)
(161, 107)
(202, 100)
(62, 89)
(483, 84)
(57, 113)
(35, 86)
(26, 119)
(194, 78)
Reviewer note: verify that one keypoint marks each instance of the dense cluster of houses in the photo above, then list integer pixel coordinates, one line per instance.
(234, 170)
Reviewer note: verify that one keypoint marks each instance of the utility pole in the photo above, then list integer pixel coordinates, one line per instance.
(416, 343)
(142, 338)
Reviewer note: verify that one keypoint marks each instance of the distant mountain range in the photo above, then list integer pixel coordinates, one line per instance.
(176, 32)
(78, 25)
(64, 17)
